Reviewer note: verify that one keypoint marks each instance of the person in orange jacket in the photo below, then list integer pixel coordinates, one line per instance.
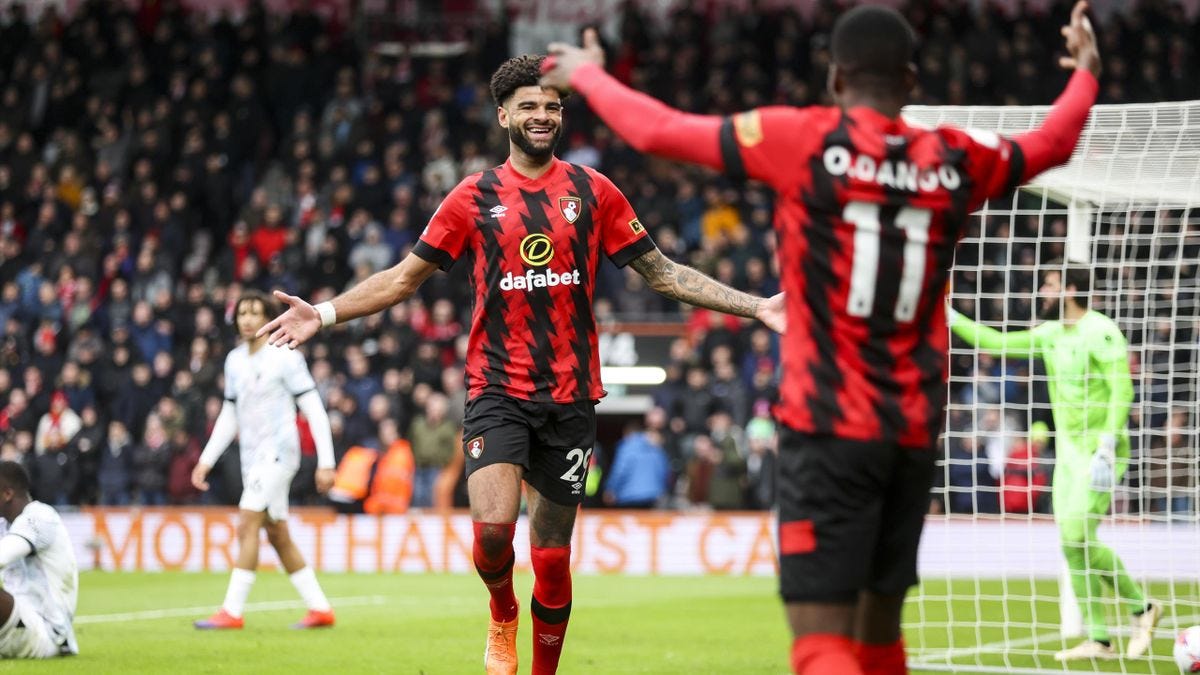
(392, 486)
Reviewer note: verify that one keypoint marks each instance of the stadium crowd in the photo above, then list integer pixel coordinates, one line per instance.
(153, 163)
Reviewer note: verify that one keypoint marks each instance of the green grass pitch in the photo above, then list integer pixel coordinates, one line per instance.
(431, 624)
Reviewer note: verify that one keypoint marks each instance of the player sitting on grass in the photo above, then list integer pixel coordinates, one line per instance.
(38, 570)
(1090, 392)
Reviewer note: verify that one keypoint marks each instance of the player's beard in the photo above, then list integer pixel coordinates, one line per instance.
(538, 152)
(1051, 309)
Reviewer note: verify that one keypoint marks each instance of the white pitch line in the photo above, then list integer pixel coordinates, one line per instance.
(998, 646)
(145, 615)
(1163, 631)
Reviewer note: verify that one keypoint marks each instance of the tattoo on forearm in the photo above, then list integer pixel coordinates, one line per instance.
(693, 287)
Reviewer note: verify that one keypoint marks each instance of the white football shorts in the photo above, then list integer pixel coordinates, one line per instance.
(265, 488)
(25, 635)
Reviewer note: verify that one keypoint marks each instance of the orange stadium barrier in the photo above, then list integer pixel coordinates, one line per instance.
(607, 542)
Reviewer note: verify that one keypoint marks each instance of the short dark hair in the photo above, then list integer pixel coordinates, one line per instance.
(519, 71)
(1077, 275)
(255, 295)
(13, 475)
(874, 41)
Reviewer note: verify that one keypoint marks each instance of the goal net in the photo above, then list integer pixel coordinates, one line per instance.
(994, 594)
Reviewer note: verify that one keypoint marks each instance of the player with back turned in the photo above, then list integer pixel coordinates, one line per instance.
(531, 232)
(869, 211)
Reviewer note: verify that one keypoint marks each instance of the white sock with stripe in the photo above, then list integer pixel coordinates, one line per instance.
(240, 582)
(305, 581)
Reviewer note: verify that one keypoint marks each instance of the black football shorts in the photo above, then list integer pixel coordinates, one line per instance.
(850, 516)
(553, 441)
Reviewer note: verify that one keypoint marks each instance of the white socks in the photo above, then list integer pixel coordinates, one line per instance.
(305, 581)
(240, 582)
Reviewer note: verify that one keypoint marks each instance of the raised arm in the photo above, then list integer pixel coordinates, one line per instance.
(1017, 343)
(685, 284)
(644, 122)
(379, 291)
(1052, 143)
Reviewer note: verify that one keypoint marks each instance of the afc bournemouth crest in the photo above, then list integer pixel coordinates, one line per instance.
(570, 208)
(475, 447)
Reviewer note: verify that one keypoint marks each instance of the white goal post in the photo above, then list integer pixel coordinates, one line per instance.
(1127, 206)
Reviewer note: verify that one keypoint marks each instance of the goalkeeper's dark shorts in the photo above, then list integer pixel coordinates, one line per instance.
(850, 516)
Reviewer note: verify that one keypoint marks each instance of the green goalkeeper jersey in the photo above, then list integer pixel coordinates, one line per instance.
(1087, 367)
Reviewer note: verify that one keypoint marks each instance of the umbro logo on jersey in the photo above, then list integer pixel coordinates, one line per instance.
(475, 447)
(498, 211)
(570, 208)
(548, 639)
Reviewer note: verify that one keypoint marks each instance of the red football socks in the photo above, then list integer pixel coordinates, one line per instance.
(551, 605)
(496, 569)
(824, 654)
(882, 659)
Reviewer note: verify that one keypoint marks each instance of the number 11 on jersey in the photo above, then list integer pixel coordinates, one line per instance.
(865, 266)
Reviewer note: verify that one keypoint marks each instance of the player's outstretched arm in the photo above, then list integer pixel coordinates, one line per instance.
(644, 122)
(379, 291)
(1052, 143)
(225, 429)
(685, 284)
(1018, 343)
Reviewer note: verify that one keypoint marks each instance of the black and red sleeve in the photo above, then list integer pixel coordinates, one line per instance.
(622, 235)
(443, 239)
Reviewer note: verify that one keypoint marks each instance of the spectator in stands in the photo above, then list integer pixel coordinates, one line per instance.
(696, 403)
(57, 427)
(970, 486)
(762, 442)
(84, 451)
(639, 475)
(716, 475)
(435, 438)
(115, 472)
(392, 483)
(1024, 483)
(150, 461)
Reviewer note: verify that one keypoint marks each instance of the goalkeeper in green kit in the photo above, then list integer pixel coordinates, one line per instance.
(1090, 392)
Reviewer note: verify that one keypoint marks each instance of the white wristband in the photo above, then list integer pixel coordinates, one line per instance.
(328, 314)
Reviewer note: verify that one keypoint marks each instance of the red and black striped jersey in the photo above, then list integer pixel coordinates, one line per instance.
(533, 246)
(869, 212)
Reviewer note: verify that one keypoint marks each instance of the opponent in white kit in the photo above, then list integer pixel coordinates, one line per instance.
(263, 387)
(38, 570)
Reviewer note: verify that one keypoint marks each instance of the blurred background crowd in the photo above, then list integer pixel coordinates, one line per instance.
(155, 162)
